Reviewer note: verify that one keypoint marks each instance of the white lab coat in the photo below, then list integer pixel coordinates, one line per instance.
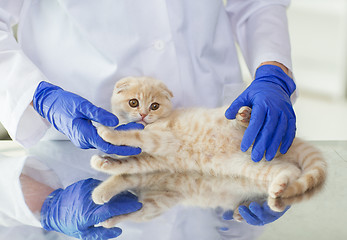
(85, 46)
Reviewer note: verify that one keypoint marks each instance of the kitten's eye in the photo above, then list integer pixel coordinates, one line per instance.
(133, 103)
(154, 106)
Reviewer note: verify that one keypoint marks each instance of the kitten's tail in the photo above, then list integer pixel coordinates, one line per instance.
(313, 166)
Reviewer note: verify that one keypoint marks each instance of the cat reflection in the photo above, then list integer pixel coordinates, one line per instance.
(161, 191)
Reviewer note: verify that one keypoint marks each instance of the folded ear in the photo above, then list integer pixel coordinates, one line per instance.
(167, 92)
(123, 84)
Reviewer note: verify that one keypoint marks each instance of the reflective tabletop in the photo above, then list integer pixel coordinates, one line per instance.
(190, 206)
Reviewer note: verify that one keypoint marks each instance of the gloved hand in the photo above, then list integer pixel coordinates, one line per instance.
(72, 211)
(73, 116)
(273, 121)
(256, 214)
(130, 126)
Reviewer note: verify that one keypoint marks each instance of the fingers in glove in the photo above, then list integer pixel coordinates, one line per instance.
(109, 148)
(268, 215)
(101, 233)
(231, 112)
(260, 211)
(97, 114)
(130, 126)
(265, 136)
(277, 138)
(289, 136)
(255, 125)
(228, 215)
(123, 150)
(122, 203)
(250, 217)
(97, 142)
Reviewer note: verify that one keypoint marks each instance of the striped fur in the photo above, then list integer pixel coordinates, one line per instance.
(200, 140)
(161, 191)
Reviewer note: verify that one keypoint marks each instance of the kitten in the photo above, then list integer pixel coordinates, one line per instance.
(161, 191)
(196, 139)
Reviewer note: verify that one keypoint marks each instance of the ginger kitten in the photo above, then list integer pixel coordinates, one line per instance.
(196, 139)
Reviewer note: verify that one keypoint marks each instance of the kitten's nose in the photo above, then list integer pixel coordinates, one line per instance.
(143, 115)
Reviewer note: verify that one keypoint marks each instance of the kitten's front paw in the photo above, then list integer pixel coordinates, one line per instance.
(99, 163)
(243, 116)
(111, 222)
(237, 216)
(103, 131)
(100, 196)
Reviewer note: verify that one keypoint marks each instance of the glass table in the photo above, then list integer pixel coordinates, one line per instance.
(191, 205)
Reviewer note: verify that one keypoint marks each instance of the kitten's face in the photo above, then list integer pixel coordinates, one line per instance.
(141, 99)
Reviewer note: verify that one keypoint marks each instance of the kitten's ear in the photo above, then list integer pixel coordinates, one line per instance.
(166, 91)
(123, 84)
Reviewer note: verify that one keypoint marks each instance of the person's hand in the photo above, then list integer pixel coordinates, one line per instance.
(73, 116)
(256, 214)
(273, 121)
(72, 211)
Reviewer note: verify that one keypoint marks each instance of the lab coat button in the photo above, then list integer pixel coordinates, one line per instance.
(159, 44)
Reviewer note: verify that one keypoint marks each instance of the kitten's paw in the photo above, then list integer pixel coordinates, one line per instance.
(100, 196)
(276, 189)
(237, 216)
(110, 223)
(243, 116)
(276, 204)
(103, 131)
(99, 163)
(111, 165)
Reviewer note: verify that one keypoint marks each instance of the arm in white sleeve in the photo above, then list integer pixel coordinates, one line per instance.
(19, 78)
(261, 30)
(13, 208)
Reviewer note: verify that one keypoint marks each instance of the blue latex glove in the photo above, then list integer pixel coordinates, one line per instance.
(73, 116)
(72, 211)
(256, 214)
(130, 126)
(273, 121)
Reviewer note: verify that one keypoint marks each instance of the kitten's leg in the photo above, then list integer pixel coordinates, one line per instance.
(279, 204)
(155, 203)
(152, 191)
(159, 143)
(111, 187)
(237, 216)
(131, 165)
(243, 116)
(116, 184)
(286, 174)
(278, 173)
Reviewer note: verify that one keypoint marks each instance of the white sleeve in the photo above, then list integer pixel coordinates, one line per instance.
(19, 78)
(13, 209)
(261, 30)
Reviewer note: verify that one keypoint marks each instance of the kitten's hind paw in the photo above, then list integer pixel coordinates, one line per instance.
(243, 116)
(276, 204)
(276, 189)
